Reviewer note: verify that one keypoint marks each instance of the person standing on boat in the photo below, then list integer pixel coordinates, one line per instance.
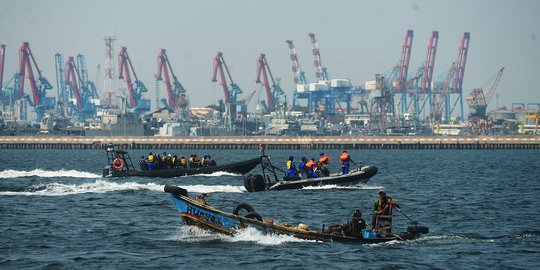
(291, 167)
(382, 206)
(345, 160)
(150, 162)
(143, 164)
(302, 169)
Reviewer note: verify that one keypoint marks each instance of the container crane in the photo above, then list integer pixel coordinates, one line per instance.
(298, 75)
(175, 90)
(39, 100)
(230, 93)
(2, 60)
(443, 99)
(457, 88)
(320, 71)
(135, 89)
(90, 86)
(404, 69)
(273, 94)
(478, 101)
(72, 74)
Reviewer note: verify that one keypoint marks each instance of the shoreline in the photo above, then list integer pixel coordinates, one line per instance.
(368, 142)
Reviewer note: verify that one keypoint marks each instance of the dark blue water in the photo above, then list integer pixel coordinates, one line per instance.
(482, 208)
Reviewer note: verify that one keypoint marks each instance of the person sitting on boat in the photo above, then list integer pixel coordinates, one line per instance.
(174, 162)
(150, 162)
(191, 161)
(324, 160)
(302, 169)
(196, 161)
(382, 206)
(357, 224)
(211, 162)
(345, 160)
(311, 167)
(143, 163)
(291, 167)
(183, 162)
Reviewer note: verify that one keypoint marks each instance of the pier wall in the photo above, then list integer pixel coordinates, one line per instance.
(39, 142)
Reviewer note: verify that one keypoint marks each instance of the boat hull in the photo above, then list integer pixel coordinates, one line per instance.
(353, 178)
(241, 167)
(197, 212)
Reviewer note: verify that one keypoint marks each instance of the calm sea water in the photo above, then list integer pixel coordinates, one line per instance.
(482, 208)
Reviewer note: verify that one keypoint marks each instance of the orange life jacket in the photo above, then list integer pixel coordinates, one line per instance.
(344, 156)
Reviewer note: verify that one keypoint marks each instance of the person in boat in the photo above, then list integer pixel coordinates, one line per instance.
(311, 168)
(322, 164)
(382, 206)
(150, 162)
(302, 169)
(191, 161)
(168, 162)
(196, 161)
(174, 162)
(357, 224)
(143, 164)
(211, 161)
(345, 160)
(291, 167)
(183, 162)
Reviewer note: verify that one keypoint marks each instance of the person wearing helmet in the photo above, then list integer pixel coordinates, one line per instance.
(302, 169)
(291, 168)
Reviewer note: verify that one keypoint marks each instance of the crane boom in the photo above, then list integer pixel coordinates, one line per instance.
(2, 60)
(320, 71)
(262, 67)
(72, 74)
(430, 62)
(461, 62)
(175, 89)
(219, 64)
(124, 66)
(404, 62)
(298, 75)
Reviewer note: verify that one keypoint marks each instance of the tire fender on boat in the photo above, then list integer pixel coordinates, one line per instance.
(174, 190)
(244, 206)
(253, 215)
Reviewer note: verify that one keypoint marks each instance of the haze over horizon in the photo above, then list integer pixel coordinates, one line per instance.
(357, 39)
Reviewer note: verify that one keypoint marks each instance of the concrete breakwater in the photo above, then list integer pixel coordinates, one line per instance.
(47, 142)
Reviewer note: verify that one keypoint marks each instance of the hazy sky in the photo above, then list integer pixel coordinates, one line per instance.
(357, 39)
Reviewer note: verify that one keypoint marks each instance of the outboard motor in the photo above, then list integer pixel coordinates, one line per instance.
(254, 183)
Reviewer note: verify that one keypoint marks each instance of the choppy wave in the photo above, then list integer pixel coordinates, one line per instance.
(359, 186)
(102, 186)
(45, 173)
(215, 174)
(195, 234)
(99, 186)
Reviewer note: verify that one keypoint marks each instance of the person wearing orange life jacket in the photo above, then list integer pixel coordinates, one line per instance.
(291, 168)
(345, 160)
(324, 160)
(311, 167)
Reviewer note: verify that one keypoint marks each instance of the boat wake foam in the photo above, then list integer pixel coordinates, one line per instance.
(99, 186)
(44, 173)
(216, 174)
(194, 234)
(359, 186)
(103, 186)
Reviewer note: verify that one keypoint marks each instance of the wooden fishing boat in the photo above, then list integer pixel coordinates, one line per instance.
(196, 211)
(119, 164)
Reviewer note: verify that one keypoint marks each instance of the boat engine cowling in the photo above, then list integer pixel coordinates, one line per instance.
(417, 230)
(254, 183)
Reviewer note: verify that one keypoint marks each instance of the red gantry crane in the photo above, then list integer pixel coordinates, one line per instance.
(39, 100)
(174, 90)
(273, 94)
(230, 94)
(72, 75)
(135, 93)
